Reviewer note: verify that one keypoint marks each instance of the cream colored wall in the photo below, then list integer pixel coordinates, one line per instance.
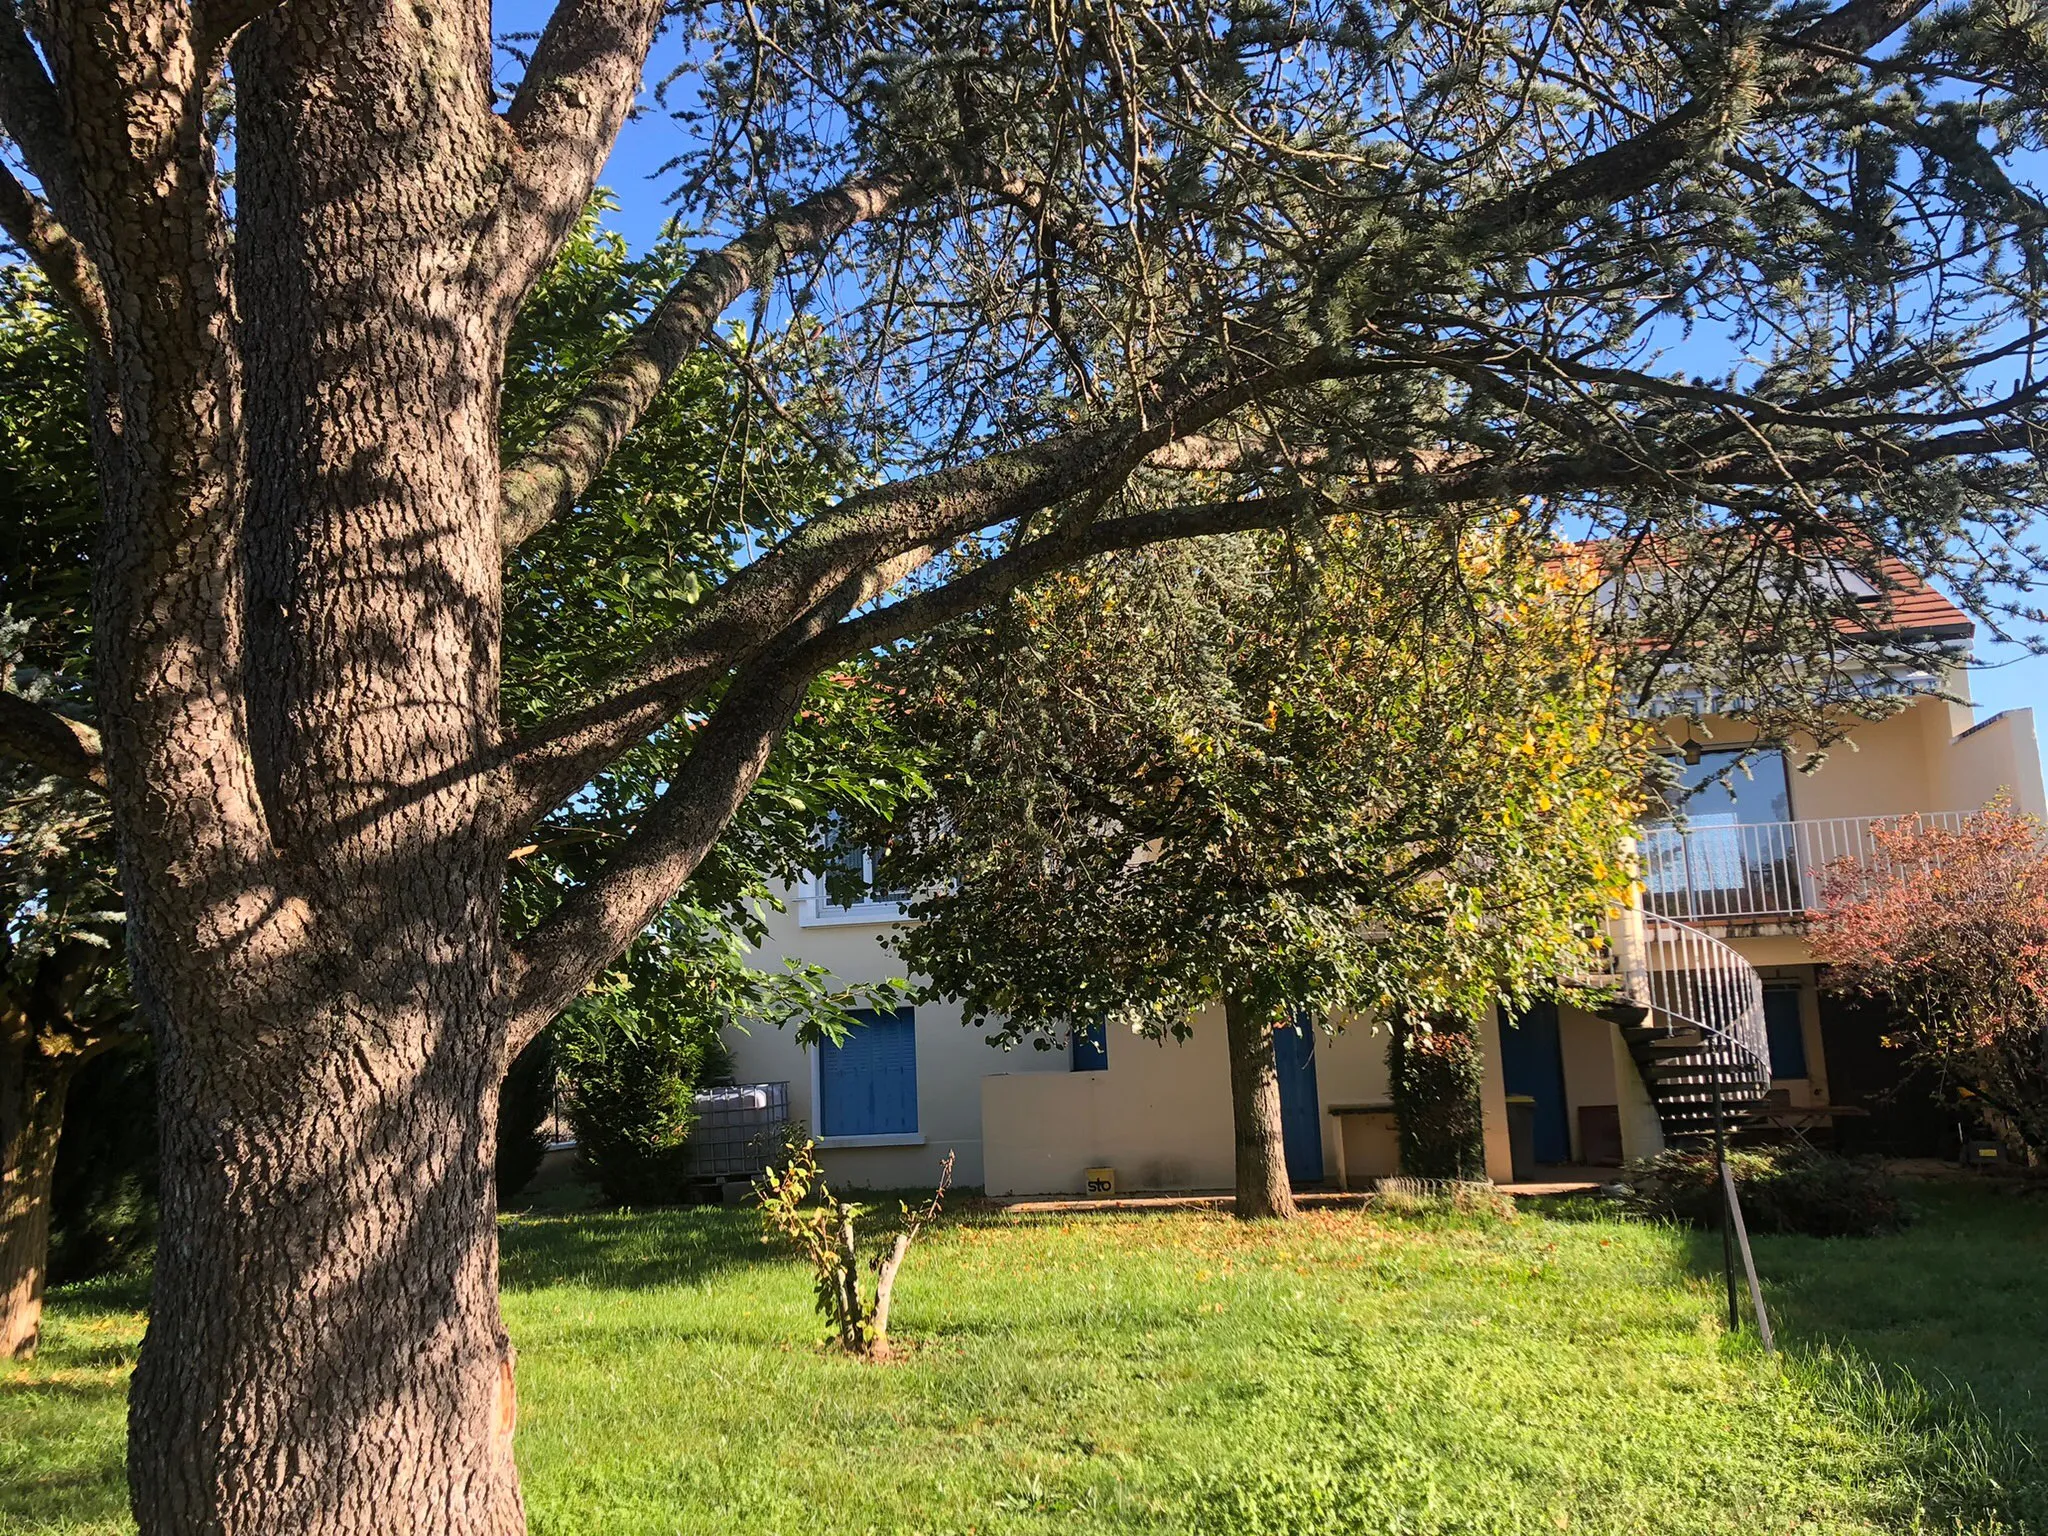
(1927, 757)
(1642, 1133)
(951, 1062)
(1585, 1042)
(1493, 1105)
(1159, 1114)
(1884, 768)
(1020, 1121)
(2001, 754)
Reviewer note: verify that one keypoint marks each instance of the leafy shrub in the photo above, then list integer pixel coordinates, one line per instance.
(524, 1099)
(632, 1067)
(1433, 1076)
(798, 1206)
(1783, 1189)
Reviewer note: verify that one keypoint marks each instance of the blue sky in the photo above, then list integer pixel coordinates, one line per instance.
(2007, 677)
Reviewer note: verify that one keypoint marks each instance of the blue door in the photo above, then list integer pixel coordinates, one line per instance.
(1785, 1030)
(1532, 1066)
(1301, 1111)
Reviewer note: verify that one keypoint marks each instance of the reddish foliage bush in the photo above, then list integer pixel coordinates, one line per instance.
(1951, 928)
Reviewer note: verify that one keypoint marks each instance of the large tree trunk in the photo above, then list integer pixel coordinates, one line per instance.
(324, 1350)
(316, 945)
(1262, 1188)
(31, 1115)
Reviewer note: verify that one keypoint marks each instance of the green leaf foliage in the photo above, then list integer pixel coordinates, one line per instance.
(1434, 1071)
(1378, 770)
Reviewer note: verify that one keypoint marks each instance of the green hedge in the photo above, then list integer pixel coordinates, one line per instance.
(1434, 1068)
(1782, 1189)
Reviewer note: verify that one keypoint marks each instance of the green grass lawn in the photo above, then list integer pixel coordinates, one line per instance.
(1176, 1373)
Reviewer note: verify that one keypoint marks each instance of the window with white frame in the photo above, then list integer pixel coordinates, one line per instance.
(845, 887)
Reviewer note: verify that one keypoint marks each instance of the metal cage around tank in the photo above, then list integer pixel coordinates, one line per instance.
(738, 1129)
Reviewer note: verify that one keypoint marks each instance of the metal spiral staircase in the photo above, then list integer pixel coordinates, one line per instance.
(1691, 1010)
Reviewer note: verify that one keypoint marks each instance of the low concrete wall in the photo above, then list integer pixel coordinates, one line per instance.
(2000, 754)
(1493, 1104)
(1160, 1116)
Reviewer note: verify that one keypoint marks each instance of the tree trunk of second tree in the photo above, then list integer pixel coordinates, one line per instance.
(1262, 1187)
(31, 1115)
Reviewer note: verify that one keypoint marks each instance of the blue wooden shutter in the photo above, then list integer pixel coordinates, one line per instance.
(1089, 1048)
(1785, 1031)
(867, 1085)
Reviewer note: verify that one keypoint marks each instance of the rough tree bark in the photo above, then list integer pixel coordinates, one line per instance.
(331, 1032)
(1262, 1188)
(31, 1116)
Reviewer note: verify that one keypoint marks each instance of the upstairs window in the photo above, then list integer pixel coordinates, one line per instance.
(1737, 853)
(1088, 1049)
(846, 884)
(1722, 789)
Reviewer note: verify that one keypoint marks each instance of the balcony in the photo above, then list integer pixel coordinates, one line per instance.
(1710, 870)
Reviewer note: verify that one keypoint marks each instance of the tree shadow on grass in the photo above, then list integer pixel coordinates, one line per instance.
(39, 1499)
(630, 1250)
(1933, 1341)
(61, 1462)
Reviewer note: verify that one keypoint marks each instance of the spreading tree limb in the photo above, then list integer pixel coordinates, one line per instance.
(546, 481)
(52, 742)
(566, 114)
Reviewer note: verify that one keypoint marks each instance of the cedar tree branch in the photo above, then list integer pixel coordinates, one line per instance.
(30, 225)
(55, 743)
(566, 114)
(546, 481)
(862, 539)
(596, 922)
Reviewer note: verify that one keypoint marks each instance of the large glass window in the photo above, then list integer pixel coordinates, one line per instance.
(1717, 790)
(867, 1084)
(847, 880)
(1735, 853)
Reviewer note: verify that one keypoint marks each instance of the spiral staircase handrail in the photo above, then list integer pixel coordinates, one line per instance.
(1699, 982)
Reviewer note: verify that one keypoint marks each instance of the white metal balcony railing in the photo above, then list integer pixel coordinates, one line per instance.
(1709, 869)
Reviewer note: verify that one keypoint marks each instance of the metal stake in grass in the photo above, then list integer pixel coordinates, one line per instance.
(1735, 1234)
(1727, 1225)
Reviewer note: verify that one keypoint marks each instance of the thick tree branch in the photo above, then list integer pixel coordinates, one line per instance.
(31, 225)
(986, 583)
(565, 116)
(1466, 479)
(868, 537)
(215, 22)
(55, 743)
(1637, 163)
(32, 115)
(1857, 27)
(595, 924)
(546, 481)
